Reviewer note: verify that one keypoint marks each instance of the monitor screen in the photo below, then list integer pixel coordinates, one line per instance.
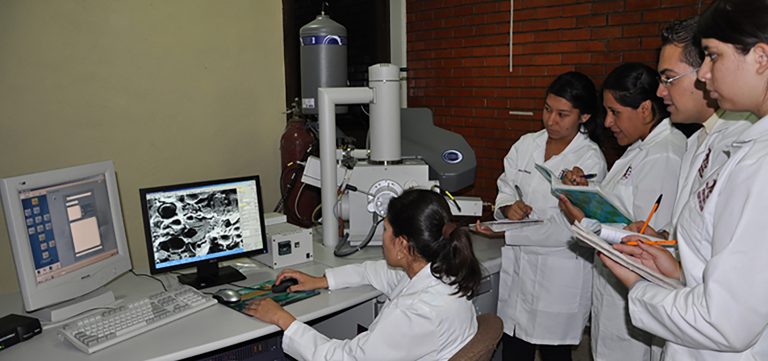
(66, 231)
(200, 224)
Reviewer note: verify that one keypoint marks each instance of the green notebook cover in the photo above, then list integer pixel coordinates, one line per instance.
(593, 203)
(264, 289)
(590, 199)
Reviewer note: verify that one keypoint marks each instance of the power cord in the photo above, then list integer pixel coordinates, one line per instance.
(343, 249)
(152, 277)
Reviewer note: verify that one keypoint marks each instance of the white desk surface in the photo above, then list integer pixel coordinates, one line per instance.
(215, 327)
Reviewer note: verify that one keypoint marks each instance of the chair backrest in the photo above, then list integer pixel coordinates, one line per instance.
(481, 346)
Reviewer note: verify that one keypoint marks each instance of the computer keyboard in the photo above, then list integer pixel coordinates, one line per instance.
(95, 332)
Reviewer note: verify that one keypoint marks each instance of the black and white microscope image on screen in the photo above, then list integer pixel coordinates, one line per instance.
(195, 224)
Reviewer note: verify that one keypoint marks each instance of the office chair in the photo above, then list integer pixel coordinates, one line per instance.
(481, 346)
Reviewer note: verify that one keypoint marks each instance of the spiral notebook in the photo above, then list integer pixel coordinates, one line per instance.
(605, 248)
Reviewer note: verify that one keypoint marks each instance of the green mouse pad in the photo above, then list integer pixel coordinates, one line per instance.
(264, 289)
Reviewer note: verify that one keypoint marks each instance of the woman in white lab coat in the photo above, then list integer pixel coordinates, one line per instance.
(721, 313)
(545, 283)
(428, 274)
(649, 167)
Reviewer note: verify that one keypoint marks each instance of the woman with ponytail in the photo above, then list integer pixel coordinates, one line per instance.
(428, 274)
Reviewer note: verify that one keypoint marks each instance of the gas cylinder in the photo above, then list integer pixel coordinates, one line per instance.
(323, 55)
(296, 144)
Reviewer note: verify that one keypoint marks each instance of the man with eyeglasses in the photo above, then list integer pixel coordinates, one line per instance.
(688, 102)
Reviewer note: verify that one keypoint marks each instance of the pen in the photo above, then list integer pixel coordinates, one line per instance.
(666, 242)
(650, 215)
(589, 176)
(519, 193)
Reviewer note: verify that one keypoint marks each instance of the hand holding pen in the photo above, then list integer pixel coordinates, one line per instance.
(654, 257)
(518, 210)
(577, 177)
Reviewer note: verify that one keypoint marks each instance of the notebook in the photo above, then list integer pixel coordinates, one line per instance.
(507, 224)
(605, 248)
(593, 201)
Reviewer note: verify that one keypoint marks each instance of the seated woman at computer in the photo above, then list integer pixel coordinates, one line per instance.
(428, 273)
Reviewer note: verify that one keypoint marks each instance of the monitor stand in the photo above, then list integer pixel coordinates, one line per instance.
(210, 274)
(62, 311)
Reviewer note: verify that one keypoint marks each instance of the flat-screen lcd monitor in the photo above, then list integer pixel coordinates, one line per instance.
(200, 224)
(67, 236)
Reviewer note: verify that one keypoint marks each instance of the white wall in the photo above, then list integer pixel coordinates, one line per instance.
(171, 90)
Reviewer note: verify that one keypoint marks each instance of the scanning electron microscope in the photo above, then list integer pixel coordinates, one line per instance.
(406, 151)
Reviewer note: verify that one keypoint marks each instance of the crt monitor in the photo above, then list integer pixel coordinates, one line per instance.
(67, 237)
(200, 224)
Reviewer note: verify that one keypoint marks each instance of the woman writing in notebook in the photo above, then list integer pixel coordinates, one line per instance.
(721, 313)
(429, 272)
(545, 284)
(648, 168)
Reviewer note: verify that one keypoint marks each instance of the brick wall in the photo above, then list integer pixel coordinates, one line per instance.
(458, 61)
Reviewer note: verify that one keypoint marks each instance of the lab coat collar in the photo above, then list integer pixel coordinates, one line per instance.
(711, 124)
(658, 132)
(757, 130)
(422, 280)
(577, 142)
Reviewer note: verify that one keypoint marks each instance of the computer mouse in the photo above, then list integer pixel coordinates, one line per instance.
(226, 296)
(283, 285)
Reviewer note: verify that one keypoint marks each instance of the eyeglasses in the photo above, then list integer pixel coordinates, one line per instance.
(667, 82)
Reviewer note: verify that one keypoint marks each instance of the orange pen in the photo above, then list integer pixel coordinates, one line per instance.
(653, 210)
(666, 242)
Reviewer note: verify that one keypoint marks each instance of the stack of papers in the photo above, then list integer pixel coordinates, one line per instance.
(605, 248)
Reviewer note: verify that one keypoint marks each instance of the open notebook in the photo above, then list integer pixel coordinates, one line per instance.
(604, 247)
(593, 201)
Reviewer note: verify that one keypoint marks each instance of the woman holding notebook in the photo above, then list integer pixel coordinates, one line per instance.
(722, 312)
(544, 294)
(649, 168)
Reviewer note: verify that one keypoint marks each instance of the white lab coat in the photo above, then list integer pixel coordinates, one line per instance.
(422, 320)
(648, 168)
(546, 279)
(700, 160)
(722, 313)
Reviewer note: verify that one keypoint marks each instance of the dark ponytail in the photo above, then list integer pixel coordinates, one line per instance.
(422, 217)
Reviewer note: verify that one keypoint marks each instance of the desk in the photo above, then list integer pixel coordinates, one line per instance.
(215, 327)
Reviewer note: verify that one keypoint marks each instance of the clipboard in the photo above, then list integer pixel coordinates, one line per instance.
(507, 224)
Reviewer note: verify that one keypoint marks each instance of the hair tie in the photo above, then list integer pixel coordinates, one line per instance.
(448, 229)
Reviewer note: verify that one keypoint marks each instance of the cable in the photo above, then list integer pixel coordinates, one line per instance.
(340, 250)
(152, 277)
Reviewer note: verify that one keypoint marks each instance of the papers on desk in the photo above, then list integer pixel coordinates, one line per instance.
(506, 224)
(593, 201)
(605, 248)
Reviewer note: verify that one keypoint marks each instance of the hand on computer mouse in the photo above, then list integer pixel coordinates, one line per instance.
(284, 285)
(305, 282)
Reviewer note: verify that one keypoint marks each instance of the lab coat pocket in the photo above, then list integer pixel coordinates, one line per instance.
(559, 284)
